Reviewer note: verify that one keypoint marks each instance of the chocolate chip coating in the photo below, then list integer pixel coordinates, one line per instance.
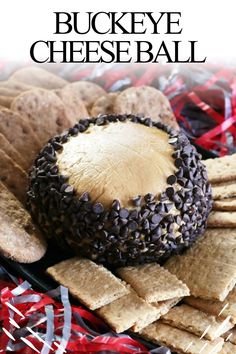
(115, 235)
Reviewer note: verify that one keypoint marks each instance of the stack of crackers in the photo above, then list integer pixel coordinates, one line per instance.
(158, 306)
(222, 175)
(36, 105)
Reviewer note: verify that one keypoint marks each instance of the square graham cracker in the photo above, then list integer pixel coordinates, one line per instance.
(223, 309)
(91, 284)
(180, 341)
(197, 322)
(153, 283)
(221, 169)
(206, 278)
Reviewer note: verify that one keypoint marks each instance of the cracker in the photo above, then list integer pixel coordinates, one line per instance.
(219, 247)
(19, 238)
(227, 204)
(222, 309)
(15, 85)
(130, 311)
(221, 169)
(224, 190)
(228, 348)
(87, 91)
(145, 101)
(12, 152)
(44, 112)
(208, 278)
(180, 341)
(197, 322)
(74, 106)
(88, 282)
(222, 219)
(153, 283)
(230, 336)
(165, 306)
(5, 91)
(19, 134)
(104, 104)
(6, 101)
(13, 176)
(38, 77)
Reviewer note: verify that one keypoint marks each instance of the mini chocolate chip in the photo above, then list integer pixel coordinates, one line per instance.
(132, 225)
(113, 214)
(98, 208)
(69, 190)
(156, 218)
(148, 197)
(171, 179)
(172, 140)
(84, 197)
(116, 205)
(123, 213)
(133, 214)
(145, 213)
(137, 200)
(151, 206)
(178, 162)
(168, 207)
(146, 224)
(170, 192)
(81, 128)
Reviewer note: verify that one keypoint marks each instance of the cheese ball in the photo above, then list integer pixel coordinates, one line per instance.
(120, 190)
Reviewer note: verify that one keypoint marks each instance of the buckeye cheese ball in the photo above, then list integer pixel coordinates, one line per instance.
(120, 190)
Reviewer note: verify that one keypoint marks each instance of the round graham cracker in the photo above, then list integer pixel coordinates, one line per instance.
(19, 238)
(145, 101)
(87, 91)
(13, 176)
(104, 104)
(44, 112)
(12, 152)
(38, 77)
(74, 106)
(19, 134)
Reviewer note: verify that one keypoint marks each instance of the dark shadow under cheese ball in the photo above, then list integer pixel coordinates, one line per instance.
(120, 190)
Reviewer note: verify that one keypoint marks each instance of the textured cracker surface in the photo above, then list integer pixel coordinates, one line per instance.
(129, 311)
(44, 112)
(221, 169)
(219, 246)
(88, 92)
(179, 340)
(224, 309)
(18, 132)
(153, 282)
(222, 219)
(13, 176)
(19, 238)
(207, 279)
(145, 101)
(228, 204)
(224, 190)
(38, 77)
(92, 284)
(12, 152)
(197, 322)
(104, 104)
(74, 106)
(228, 348)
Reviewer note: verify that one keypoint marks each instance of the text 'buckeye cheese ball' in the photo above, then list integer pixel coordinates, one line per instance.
(120, 190)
